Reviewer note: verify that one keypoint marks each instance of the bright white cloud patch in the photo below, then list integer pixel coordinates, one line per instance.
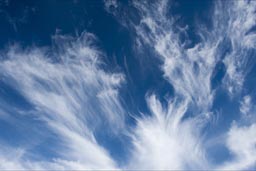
(164, 140)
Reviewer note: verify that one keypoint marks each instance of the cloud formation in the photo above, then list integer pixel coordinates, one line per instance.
(66, 91)
(164, 140)
(72, 96)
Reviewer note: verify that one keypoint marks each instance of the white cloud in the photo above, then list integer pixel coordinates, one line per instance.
(159, 143)
(189, 71)
(235, 21)
(245, 107)
(167, 142)
(241, 141)
(15, 159)
(73, 96)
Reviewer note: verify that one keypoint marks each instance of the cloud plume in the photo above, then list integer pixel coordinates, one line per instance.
(72, 96)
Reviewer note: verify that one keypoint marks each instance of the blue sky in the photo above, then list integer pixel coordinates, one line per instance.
(127, 85)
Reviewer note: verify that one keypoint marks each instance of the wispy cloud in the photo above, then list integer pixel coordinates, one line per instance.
(170, 139)
(72, 96)
(166, 141)
(241, 143)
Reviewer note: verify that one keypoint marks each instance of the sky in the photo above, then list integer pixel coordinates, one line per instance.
(127, 85)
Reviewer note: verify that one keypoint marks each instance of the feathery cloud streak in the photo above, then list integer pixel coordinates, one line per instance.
(72, 96)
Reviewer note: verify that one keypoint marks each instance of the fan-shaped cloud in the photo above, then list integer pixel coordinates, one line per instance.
(72, 96)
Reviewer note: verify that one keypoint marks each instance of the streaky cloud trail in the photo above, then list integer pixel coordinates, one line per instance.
(72, 97)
